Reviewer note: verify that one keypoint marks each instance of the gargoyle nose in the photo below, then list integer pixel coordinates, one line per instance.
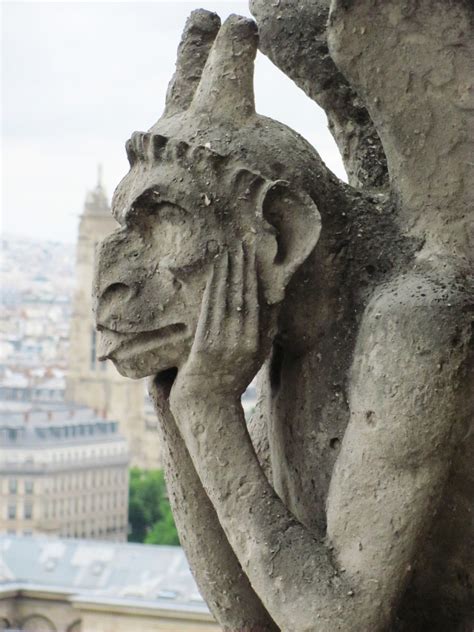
(116, 293)
(111, 303)
(118, 282)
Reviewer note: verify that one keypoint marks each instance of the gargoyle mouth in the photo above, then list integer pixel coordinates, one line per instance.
(112, 342)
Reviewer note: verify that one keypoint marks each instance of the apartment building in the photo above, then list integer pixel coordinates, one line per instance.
(63, 471)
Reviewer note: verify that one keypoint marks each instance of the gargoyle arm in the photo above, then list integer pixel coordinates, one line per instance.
(407, 417)
(218, 573)
(283, 561)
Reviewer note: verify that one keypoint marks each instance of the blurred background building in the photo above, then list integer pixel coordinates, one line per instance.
(63, 470)
(54, 585)
(48, 338)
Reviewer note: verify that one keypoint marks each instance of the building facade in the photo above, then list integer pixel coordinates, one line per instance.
(63, 471)
(97, 384)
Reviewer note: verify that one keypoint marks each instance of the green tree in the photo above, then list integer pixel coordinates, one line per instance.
(164, 530)
(149, 512)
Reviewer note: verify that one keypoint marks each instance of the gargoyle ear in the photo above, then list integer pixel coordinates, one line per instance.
(297, 224)
(198, 37)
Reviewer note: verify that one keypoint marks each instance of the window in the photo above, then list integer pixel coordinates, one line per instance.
(28, 487)
(28, 510)
(11, 511)
(12, 485)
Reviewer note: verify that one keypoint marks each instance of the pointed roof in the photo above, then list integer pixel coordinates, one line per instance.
(96, 199)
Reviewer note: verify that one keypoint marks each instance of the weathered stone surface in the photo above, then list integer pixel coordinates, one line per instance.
(239, 251)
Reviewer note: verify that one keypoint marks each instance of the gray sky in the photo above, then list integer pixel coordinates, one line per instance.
(78, 78)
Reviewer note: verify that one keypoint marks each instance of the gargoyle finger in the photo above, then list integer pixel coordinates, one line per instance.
(251, 306)
(219, 290)
(204, 321)
(235, 296)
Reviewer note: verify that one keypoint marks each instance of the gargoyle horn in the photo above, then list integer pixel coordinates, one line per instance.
(226, 87)
(198, 36)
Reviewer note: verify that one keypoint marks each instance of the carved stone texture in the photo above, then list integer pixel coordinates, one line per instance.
(349, 508)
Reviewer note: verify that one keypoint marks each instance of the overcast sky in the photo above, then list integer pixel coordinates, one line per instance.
(78, 78)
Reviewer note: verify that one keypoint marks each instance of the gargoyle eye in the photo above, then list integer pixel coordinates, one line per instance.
(189, 267)
(184, 270)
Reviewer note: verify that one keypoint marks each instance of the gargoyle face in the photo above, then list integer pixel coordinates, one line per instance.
(151, 272)
(149, 283)
(179, 208)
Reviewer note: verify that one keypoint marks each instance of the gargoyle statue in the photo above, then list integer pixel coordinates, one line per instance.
(345, 505)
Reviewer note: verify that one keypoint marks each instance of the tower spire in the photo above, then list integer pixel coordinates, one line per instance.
(99, 176)
(96, 199)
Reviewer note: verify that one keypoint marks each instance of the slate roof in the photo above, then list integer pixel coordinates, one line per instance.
(100, 571)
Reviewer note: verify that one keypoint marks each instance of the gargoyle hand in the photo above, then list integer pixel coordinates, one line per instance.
(224, 356)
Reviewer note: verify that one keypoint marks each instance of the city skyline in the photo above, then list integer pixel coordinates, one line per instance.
(82, 91)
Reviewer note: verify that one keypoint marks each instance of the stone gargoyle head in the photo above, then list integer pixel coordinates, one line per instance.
(208, 177)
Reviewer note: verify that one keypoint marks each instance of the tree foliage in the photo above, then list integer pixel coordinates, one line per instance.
(149, 513)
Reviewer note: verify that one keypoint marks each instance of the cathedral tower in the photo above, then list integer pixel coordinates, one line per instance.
(90, 382)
